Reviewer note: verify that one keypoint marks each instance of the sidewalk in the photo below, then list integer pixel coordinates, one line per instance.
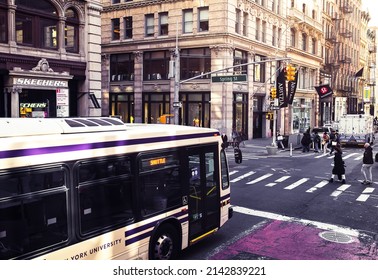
(258, 146)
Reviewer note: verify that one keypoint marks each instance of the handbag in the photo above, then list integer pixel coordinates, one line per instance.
(280, 138)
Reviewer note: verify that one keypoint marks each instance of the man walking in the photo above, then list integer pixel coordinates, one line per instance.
(367, 165)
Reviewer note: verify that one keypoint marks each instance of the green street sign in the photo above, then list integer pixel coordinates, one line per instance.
(226, 79)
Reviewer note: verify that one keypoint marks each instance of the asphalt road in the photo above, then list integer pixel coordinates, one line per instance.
(285, 208)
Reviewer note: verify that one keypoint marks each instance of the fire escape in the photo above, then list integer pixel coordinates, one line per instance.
(337, 65)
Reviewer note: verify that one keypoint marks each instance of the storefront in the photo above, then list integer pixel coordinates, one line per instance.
(37, 93)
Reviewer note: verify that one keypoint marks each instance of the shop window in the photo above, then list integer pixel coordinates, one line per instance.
(156, 65)
(194, 62)
(122, 67)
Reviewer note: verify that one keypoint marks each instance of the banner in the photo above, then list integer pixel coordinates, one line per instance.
(324, 91)
(281, 89)
(367, 94)
(292, 87)
(359, 72)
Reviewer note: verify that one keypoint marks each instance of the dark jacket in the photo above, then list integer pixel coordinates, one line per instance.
(306, 139)
(368, 156)
(339, 165)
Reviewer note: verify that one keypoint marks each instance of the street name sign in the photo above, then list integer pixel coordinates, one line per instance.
(226, 79)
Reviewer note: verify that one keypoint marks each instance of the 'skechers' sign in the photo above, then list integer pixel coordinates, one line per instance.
(40, 82)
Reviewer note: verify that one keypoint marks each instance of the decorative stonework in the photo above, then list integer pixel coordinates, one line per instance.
(138, 56)
(224, 47)
(43, 66)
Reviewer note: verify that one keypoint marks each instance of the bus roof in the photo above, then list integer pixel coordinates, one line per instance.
(18, 127)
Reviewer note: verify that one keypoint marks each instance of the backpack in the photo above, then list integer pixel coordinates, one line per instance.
(376, 157)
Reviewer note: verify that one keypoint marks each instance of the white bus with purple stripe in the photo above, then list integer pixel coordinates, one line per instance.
(96, 188)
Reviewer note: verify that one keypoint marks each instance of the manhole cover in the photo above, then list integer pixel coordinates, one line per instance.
(337, 237)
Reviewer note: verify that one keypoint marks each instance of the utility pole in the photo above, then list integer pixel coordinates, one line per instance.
(176, 103)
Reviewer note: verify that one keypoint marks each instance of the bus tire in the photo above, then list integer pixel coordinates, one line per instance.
(164, 243)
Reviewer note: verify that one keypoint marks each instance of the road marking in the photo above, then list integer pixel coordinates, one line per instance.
(322, 155)
(339, 190)
(260, 179)
(318, 186)
(359, 158)
(296, 184)
(272, 216)
(242, 177)
(233, 172)
(283, 178)
(350, 155)
(365, 194)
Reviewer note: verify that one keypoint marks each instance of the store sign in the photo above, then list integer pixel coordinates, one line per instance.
(39, 82)
(62, 102)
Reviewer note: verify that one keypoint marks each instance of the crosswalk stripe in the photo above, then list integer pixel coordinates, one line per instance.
(359, 158)
(296, 184)
(260, 179)
(242, 177)
(339, 190)
(233, 172)
(350, 155)
(318, 186)
(283, 178)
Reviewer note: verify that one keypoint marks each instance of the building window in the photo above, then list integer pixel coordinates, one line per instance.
(154, 105)
(71, 31)
(203, 19)
(116, 1)
(259, 69)
(194, 62)
(292, 37)
(128, 23)
(116, 30)
(240, 57)
(36, 24)
(149, 23)
(313, 46)
(304, 42)
(263, 37)
(237, 20)
(188, 21)
(122, 67)
(3, 26)
(258, 27)
(245, 24)
(163, 23)
(274, 36)
(156, 65)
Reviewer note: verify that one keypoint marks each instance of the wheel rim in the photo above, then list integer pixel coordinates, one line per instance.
(164, 247)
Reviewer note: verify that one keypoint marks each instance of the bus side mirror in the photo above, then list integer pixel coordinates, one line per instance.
(238, 155)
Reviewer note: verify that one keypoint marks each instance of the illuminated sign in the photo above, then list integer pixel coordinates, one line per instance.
(157, 161)
(33, 105)
(39, 82)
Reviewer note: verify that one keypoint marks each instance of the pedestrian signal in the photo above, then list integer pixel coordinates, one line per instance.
(269, 115)
(290, 73)
(273, 93)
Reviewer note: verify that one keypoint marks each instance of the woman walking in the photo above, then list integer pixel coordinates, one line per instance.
(339, 166)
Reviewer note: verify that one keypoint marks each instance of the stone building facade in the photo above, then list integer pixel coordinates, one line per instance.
(50, 58)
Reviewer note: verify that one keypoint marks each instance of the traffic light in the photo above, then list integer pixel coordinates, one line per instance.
(273, 93)
(290, 73)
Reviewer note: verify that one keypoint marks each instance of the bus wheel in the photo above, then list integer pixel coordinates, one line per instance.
(164, 244)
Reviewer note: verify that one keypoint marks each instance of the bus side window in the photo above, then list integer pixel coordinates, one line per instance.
(224, 171)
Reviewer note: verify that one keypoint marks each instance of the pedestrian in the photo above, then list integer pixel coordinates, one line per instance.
(279, 141)
(306, 141)
(325, 142)
(332, 141)
(339, 166)
(316, 140)
(367, 165)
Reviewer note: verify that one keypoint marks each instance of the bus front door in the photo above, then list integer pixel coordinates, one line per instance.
(204, 212)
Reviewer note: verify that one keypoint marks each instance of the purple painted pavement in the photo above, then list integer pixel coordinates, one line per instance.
(294, 241)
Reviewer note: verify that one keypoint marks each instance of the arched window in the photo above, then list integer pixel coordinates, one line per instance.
(36, 24)
(71, 31)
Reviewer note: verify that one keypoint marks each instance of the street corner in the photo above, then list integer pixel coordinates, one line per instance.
(283, 240)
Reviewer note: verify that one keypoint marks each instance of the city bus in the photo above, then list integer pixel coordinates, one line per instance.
(97, 188)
